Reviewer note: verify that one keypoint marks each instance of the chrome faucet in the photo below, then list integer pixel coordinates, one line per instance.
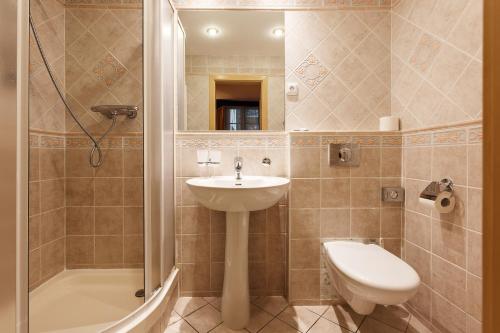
(238, 165)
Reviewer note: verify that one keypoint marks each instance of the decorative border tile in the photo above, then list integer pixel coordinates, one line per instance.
(392, 140)
(449, 137)
(476, 135)
(34, 141)
(305, 141)
(418, 140)
(51, 141)
(326, 140)
(282, 4)
(366, 140)
(133, 142)
(78, 142)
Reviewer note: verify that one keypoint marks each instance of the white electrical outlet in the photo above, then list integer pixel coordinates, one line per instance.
(292, 89)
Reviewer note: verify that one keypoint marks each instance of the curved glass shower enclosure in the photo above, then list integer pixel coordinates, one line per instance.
(86, 166)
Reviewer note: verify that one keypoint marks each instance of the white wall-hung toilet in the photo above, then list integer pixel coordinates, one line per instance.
(366, 275)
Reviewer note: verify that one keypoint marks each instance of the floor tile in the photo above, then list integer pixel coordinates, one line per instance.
(210, 299)
(323, 326)
(319, 309)
(187, 305)
(277, 326)
(299, 317)
(271, 304)
(223, 329)
(204, 319)
(180, 327)
(174, 317)
(393, 315)
(216, 303)
(370, 325)
(344, 316)
(258, 319)
(416, 326)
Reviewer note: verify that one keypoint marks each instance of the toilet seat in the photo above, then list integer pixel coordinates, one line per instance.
(371, 265)
(366, 275)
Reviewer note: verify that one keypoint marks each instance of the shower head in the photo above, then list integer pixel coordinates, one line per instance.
(112, 111)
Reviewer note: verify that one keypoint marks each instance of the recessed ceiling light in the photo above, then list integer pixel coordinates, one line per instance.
(212, 31)
(278, 32)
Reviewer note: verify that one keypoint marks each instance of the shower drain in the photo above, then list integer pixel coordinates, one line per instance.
(139, 293)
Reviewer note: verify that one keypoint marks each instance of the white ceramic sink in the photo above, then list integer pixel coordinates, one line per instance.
(245, 195)
(237, 198)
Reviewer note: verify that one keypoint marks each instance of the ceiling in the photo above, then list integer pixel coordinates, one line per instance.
(241, 32)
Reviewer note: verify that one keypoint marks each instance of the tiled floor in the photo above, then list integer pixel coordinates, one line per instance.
(273, 315)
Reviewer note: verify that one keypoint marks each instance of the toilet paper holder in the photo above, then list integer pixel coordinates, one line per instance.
(432, 190)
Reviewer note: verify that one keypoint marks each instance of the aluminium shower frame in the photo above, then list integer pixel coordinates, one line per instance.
(14, 146)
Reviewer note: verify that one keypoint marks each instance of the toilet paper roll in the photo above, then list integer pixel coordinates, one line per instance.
(444, 203)
(389, 124)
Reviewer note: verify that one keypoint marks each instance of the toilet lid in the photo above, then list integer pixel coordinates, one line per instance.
(371, 265)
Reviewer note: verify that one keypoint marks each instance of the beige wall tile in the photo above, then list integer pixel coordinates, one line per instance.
(79, 220)
(474, 296)
(475, 158)
(112, 165)
(133, 189)
(79, 191)
(445, 316)
(195, 248)
(133, 222)
(51, 163)
(34, 198)
(52, 194)
(305, 162)
(52, 226)
(79, 250)
(420, 260)
(391, 222)
(391, 162)
(304, 284)
(369, 164)
(34, 231)
(448, 242)
(133, 249)
(109, 192)
(195, 220)
(34, 267)
(474, 209)
(52, 258)
(422, 301)
(417, 163)
(108, 220)
(335, 223)
(449, 281)
(418, 229)
(475, 253)
(305, 193)
(335, 193)
(365, 223)
(304, 253)
(365, 192)
(195, 277)
(257, 248)
(109, 249)
(304, 223)
(448, 162)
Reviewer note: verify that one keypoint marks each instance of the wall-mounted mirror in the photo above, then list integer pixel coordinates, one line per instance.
(234, 70)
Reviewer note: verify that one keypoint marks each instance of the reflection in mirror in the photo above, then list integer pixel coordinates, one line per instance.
(234, 70)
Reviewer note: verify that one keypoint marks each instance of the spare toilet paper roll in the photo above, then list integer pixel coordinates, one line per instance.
(389, 124)
(444, 203)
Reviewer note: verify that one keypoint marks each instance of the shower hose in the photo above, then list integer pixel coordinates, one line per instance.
(95, 155)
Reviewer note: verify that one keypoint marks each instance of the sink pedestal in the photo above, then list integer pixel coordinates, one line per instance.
(235, 294)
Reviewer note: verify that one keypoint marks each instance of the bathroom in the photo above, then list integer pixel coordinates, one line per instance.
(248, 166)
